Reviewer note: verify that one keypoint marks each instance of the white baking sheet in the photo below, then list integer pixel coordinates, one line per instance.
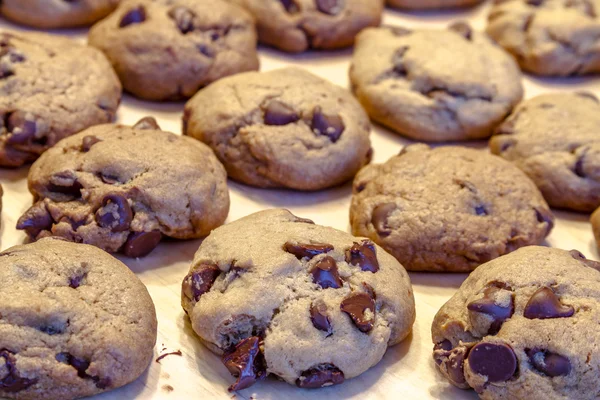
(407, 370)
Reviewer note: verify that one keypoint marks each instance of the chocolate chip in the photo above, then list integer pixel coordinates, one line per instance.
(331, 126)
(544, 215)
(330, 7)
(319, 318)
(278, 113)
(463, 29)
(445, 345)
(588, 95)
(21, 127)
(325, 273)
(76, 281)
(134, 16)
(588, 263)
(380, 217)
(246, 363)
(88, 141)
(35, 219)
(12, 382)
(320, 376)
(290, 6)
(481, 210)
(199, 281)
(147, 123)
(72, 189)
(51, 330)
(361, 308)
(548, 363)
(301, 250)
(398, 30)
(364, 255)
(535, 3)
(139, 244)
(184, 18)
(497, 303)
(115, 213)
(109, 179)
(544, 304)
(497, 361)
(81, 365)
(451, 361)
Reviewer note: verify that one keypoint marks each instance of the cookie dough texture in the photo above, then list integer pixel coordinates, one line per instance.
(267, 282)
(121, 188)
(284, 128)
(549, 37)
(555, 140)
(434, 85)
(169, 49)
(298, 25)
(48, 14)
(524, 326)
(447, 209)
(74, 322)
(50, 87)
(431, 4)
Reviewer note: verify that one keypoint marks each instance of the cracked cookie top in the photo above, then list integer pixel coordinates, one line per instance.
(74, 322)
(554, 139)
(524, 326)
(50, 87)
(121, 188)
(169, 49)
(549, 37)
(276, 294)
(448, 209)
(284, 128)
(431, 4)
(298, 25)
(434, 85)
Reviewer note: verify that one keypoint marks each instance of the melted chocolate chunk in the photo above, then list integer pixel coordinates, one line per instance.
(278, 113)
(588, 263)
(325, 273)
(139, 244)
(88, 141)
(544, 304)
(136, 15)
(13, 382)
(550, 364)
(330, 7)
(451, 361)
(147, 123)
(545, 216)
(21, 128)
(119, 219)
(463, 29)
(199, 281)
(74, 190)
(81, 365)
(301, 250)
(331, 126)
(184, 18)
(481, 210)
(290, 6)
(380, 217)
(246, 363)
(497, 361)
(495, 304)
(321, 376)
(320, 318)
(361, 308)
(364, 255)
(35, 219)
(77, 280)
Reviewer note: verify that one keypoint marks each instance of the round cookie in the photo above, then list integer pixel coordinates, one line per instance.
(555, 140)
(447, 209)
(169, 49)
(431, 4)
(524, 326)
(549, 37)
(49, 14)
(298, 25)
(276, 294)
(122, 188)
(414, 83)
(285, 128)
(75, 322)
(50, 87)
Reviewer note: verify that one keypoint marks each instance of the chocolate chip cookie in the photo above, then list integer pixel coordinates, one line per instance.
(447, 209)
(431, 4)
(122, 188)
(524, 326)
(50, 87)
(56, 13)
(74, 322)
(298, 25)
(549, 37)
(169, 49)
(275, 294)
(434, 85)
(555, 140)
(285, 128)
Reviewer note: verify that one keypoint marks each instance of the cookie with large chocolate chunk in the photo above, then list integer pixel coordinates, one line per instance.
(431, 4)
(50, 87)
(75, 321)
(169, 49)
(448, 209)
(276, 294)
(524, 326)
(434, 85)
(285, 128)
(122, 188)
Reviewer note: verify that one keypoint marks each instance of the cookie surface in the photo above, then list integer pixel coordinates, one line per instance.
(50, 87)
(524, 326)
(549, 37)
(298, 25)
(48, 14)
(555, 140)
(431, 4)
(276, 294)
(121, 188)
(169, 49)
(284, 128)
(413, 82)
(74, 322)
(447, 209)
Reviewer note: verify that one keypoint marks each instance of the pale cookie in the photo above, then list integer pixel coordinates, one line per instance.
(448, 209)
(169, 49)
(431, 4)
(285, 128)
(276, 294)
(555, 140)
(122, 188)
(74, 322)
(524, 326)
(434, 85)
